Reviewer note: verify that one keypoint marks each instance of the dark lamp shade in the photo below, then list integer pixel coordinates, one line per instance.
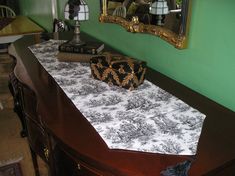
(159, 7)
(76, 11)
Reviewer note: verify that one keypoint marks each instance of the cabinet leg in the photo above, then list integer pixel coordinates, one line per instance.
(35, 162)
(18, 111)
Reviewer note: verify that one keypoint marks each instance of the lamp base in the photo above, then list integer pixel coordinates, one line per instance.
(76, 37)
(160, 20)
(76, 40)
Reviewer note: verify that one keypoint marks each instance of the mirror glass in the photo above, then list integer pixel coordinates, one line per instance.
(167, 19)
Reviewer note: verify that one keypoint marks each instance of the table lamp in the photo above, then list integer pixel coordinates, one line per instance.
(76, 10)
(159, 8)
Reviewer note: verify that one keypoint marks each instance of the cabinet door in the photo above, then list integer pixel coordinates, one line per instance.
(37, 137)
(66, 165)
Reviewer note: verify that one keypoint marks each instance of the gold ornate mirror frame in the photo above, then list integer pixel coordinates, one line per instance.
(179, 40)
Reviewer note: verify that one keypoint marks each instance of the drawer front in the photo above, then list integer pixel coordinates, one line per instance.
(38, 140)
(67, 165)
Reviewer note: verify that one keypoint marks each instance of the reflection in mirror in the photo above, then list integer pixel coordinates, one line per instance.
(167, 19)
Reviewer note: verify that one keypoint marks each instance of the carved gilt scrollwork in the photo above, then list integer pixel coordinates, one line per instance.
(179, 40)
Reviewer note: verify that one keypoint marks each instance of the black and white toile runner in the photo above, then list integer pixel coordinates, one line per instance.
(147, 119)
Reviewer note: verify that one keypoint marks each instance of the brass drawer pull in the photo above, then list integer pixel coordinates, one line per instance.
(46, 153)
(78, 166)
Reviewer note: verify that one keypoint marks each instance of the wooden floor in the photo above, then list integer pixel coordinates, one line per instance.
(13, 147)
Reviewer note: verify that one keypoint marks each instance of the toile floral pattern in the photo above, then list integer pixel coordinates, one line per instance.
(147, 119)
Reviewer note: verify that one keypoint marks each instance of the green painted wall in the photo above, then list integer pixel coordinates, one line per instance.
(206, 66)
(38, 11)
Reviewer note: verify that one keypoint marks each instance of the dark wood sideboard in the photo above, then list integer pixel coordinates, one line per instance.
(65, 140)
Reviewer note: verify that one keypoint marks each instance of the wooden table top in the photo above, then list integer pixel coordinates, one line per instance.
(21, 25)
(216, 149)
